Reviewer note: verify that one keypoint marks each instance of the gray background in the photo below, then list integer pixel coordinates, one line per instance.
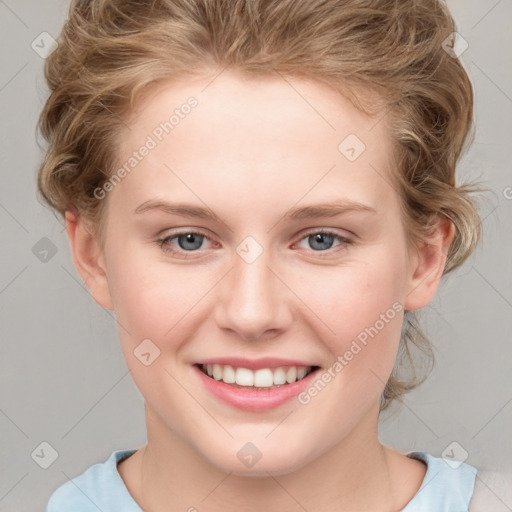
(63, 377)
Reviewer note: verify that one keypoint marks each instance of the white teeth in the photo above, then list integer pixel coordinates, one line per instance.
(279, 376)
(217, 372)
(291, 374)
(262, 378)
(244, 377)
(301, 372)
(229, 375)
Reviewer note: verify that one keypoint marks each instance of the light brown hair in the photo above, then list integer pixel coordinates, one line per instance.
(386, 56)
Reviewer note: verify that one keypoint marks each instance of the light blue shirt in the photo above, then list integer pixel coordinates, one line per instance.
(447, 487)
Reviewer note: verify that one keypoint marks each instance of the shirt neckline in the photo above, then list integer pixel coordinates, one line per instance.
(416, 500)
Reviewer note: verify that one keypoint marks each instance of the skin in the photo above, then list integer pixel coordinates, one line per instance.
(250, 151)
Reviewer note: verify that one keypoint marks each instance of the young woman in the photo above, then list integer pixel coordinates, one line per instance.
(264, 192)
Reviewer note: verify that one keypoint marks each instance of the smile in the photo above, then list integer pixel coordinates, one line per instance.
(263, 378)
(267, 386)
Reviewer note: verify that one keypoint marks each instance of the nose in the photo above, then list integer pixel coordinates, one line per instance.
(253, 303)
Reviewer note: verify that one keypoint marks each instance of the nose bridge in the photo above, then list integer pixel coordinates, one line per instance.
(252, 302)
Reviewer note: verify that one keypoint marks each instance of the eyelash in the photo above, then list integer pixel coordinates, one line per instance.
(165, 245)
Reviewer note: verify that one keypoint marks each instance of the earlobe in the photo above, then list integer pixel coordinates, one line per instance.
(428, 266)
(88, 259)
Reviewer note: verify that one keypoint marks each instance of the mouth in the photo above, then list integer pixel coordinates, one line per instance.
(260, 379)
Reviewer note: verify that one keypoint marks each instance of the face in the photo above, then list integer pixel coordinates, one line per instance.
(270, 279)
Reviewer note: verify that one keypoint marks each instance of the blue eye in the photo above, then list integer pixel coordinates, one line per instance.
(322, 240)
(319, 241)
(188, 241)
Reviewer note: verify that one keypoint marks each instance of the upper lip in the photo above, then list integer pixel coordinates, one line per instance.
(254, 364)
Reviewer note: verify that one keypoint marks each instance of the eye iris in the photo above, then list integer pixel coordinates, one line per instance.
(321, 239)
(192, 238)
(318, 241)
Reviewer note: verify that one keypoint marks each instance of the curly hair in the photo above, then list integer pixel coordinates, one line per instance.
(377, 53)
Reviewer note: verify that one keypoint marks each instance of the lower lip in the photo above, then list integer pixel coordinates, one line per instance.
(253, 399)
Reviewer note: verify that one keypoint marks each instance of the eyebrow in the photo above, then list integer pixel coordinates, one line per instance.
(325, 210)
(313, 211)
(182, 209)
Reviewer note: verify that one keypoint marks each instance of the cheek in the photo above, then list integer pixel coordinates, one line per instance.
(159, 300)
(348, 299)
(360, 316)
(362, 306)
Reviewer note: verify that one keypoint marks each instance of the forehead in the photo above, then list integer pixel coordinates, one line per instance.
(273, 136)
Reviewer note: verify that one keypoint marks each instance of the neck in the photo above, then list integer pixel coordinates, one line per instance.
(355, 475)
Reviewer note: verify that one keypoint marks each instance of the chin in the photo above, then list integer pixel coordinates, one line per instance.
(246, 459)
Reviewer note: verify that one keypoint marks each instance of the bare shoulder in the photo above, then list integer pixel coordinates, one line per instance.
(399, 463)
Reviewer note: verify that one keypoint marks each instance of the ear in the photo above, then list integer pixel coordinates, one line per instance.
(427, 265)
(88, 259)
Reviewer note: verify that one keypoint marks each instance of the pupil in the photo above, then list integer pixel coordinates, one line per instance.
(323, 239)
(190, 238)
